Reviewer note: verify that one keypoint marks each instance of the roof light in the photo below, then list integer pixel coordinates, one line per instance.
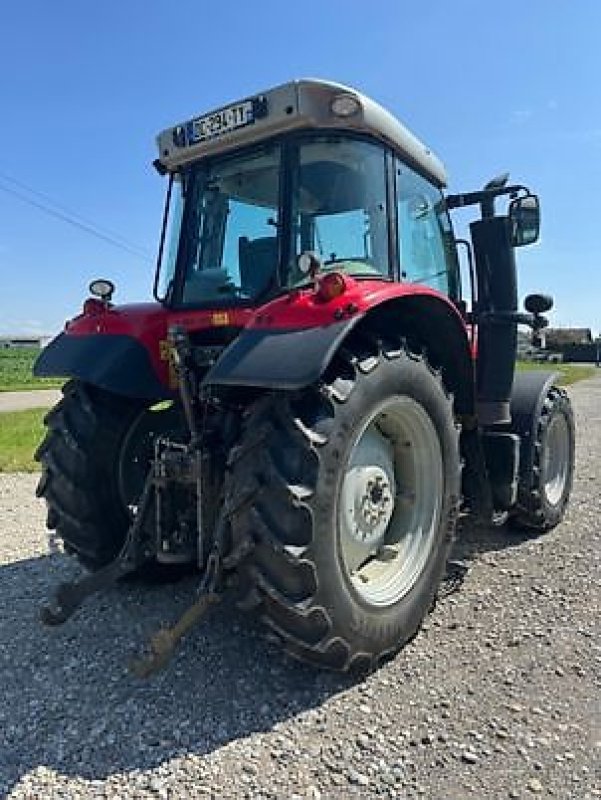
(345, 105)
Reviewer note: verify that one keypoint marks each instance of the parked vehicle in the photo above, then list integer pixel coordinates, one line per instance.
(310, 402)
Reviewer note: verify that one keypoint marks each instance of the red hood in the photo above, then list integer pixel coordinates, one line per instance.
(148, 323)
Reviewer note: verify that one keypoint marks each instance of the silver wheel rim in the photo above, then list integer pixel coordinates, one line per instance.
(556, 456)
(389, 504)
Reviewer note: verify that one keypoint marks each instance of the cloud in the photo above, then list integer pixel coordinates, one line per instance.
(582, 136)
(522, 115)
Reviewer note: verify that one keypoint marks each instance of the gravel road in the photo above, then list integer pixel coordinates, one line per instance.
(497, 697)
(32, 398)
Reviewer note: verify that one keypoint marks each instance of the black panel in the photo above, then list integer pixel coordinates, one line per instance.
(116, 363)
(527, 398)
(279, 359)
(502, 453)
(497, 330)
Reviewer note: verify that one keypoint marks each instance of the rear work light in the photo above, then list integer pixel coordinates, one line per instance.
(330, 286)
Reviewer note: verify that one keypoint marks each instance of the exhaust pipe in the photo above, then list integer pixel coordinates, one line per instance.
(496, 314)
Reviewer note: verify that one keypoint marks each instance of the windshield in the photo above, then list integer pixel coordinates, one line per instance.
(232, 236)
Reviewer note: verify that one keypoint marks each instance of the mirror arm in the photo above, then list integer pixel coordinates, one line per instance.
(534, 321)
(484, 196)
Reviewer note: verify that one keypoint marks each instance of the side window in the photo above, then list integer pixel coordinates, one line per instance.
(425, 234)
(173, 229)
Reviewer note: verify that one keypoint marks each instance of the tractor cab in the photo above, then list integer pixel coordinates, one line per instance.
(308, 178)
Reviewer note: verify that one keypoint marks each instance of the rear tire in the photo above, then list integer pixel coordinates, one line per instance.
(84, 477)
(544, 492)
(339, 580)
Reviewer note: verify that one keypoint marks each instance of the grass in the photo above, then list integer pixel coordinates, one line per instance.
(20, 434)
(568, 373)
(22, 431)
(16, 370)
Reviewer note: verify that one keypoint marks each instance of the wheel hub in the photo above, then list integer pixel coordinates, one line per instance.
(373, 504)
(368, 490)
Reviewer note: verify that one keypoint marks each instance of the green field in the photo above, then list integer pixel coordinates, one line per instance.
(568, 373)
(16, 365)
(20, 434)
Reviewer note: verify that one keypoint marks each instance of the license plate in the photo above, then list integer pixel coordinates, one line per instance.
(221, 122)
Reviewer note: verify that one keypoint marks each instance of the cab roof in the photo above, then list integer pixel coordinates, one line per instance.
(305, 104)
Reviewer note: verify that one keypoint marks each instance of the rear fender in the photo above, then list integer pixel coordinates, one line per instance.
(279, 358)
(527, 397)
(115, 362)
(295, 357)
(430, 323)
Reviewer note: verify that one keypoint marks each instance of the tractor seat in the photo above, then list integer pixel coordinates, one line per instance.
(257, 260)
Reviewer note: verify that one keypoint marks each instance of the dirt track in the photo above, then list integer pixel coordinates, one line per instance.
(497, 697)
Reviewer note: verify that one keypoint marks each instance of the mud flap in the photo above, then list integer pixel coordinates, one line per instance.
(117, 363)
(527, 398)
(279, 359)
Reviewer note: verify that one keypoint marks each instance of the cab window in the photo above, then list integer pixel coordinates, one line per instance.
(425, 237)
(339, 208)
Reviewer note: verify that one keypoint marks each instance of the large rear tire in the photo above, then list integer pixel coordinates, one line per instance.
(88, 479)
(544, 491)
(343, 500)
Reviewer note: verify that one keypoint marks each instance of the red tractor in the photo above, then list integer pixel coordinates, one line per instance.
(310, 403)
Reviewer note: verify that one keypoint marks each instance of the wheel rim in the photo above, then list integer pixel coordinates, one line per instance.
(556, 456)
(390, 501)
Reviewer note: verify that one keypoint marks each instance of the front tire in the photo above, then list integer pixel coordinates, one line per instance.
(343, 500)
(544, 492)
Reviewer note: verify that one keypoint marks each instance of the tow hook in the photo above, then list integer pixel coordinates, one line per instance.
(163, 643)
(70, 596)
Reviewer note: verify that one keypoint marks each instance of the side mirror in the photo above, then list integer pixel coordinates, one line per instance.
(538, 303)
(524, 214)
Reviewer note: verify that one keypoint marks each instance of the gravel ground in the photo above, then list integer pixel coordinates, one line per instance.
(498, 696)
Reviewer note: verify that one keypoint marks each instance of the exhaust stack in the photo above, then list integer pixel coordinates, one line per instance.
(497, 318)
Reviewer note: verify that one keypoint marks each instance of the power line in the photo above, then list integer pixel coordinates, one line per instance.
(69, 217)
(72, 214)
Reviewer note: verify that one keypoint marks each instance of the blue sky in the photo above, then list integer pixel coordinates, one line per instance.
(86, 86)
